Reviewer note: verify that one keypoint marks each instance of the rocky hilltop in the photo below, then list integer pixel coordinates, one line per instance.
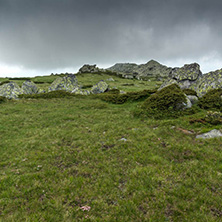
(151, 69)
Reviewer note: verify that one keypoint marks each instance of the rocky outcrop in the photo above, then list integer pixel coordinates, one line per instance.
(10, 90)
(88, 69)
(212, 134)
(100, 87)
(67, 83)
(190, 77)
(29, 87)
(151, 69)
(185, 77)
(211, 80)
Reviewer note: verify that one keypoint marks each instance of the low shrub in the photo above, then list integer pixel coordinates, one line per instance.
(2, 99)
(190, 92)
(4, 82)
(213, 118)
(212, 100)
(116, 98)
(48, 95)
(168, 102)
(87, 86)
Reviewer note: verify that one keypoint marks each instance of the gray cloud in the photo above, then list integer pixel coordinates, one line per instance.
(54, 34)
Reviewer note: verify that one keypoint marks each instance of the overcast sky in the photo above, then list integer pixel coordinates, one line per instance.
(38, 37)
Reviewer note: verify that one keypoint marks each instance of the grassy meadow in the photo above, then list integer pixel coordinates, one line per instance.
(82, 159)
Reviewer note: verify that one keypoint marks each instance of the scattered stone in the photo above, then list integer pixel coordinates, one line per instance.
(29, 87)
(67, 83)
(123, 139)
(212, 134)
(10, 90)
(100, 87)
(111, 80)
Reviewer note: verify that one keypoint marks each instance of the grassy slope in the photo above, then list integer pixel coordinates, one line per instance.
(59, 155)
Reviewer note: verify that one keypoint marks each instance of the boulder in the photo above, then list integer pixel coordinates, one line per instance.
(67, 83)
(10, 90)
(100, 87)
(193, 99)
(209, 81)
(29, 87)
(79, 91)
(89, 69)
(212, 134)
(186, 76)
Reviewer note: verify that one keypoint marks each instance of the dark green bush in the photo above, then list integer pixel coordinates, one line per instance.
(116, 98)
(190, 92)
(22, 78)
(48, 95)
(167, 102)
(212, 100)
(87, 86)
(2, 99)
(213, 118)
(4, 82)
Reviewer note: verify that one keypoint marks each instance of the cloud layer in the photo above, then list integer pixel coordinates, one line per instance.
(48, 35)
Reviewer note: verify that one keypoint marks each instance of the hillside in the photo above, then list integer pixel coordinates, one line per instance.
(80, 158)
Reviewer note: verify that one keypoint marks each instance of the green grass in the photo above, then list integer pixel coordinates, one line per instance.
(59, 155)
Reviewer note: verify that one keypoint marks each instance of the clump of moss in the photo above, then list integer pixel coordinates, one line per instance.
(116, 98)
(168, 102)
(190, 92)
(212, 100)
(2, 99)
(213, 118)
(4, 82)
(48, 95)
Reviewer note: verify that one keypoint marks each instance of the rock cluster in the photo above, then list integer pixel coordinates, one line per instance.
(89, 69)
(190, 77)
(151, 69)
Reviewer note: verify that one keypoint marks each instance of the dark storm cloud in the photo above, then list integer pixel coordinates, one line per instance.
(51, 34)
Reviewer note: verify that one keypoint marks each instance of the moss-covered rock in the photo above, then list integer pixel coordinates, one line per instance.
(67, 83)
(213, 117)
(167, 102)
(100, 87)
(212, 100)
(10, 90)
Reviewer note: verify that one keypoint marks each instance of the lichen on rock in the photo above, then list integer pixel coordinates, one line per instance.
(100, 87)
(67, 83)
(10, 90)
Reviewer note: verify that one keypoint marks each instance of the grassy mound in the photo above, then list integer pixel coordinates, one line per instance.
(167, 102)
(212, 100)
(48, 95)
(113, 96)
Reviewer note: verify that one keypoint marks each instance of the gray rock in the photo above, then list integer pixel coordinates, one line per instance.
(212, 134)
(188, 103)
(193, 99)
(100, 87)
(29, 87)
(10, 90)
(67, 83)
(89, 69)
(110, 79)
